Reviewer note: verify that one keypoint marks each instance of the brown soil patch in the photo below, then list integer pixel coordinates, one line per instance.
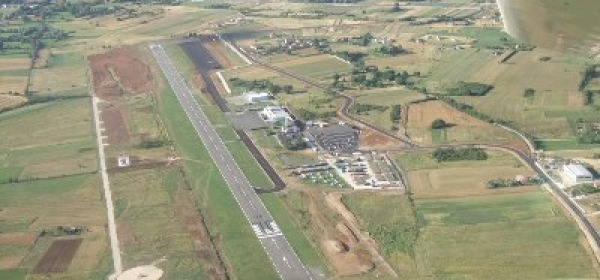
(58, 257)
(10, 262)
(215, 50)
(115, 126)
(125, 233)
(19, 238)
(370, 139)
(120, 71)
(367, 244)
(421, 115)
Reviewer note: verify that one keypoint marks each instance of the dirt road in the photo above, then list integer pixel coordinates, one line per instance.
(334, 200)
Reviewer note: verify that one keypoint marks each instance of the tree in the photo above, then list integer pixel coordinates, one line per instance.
(395, 113)
(438, 124)
(396, 7)
(288, 89)
(529, 93)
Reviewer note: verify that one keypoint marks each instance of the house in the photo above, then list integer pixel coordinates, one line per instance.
(254, 97)
(577, 173)
(275, 114)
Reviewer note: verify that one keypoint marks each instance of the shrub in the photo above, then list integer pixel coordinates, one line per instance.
(470, 89)
(438, 124)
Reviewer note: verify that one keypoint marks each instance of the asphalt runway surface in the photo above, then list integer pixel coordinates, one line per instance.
(284, 259)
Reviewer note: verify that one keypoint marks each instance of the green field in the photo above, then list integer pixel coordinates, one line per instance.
(515, 237)
(13, 274)
(384, 97)
(63, 73)
(149, 225)
(50, 140)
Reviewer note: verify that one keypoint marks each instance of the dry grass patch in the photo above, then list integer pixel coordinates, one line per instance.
(14, 63)
(462, 127)
(8, 101)
(457, 182)
(13, 84)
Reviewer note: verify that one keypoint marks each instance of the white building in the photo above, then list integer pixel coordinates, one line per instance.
(577, 173)
(253, 97)
(275, 114)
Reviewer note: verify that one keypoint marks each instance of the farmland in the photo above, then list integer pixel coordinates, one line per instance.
(63, 73)
(68, 201)
(14, 72)
(47, 141)
(549, 114)
(432, 233)
(460, 126)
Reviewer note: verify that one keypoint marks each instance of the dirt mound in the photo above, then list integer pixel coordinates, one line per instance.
(346, 260)
(120, 71)
(336, 246)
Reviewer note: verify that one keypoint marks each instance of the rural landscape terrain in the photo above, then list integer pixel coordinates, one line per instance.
(296, 139)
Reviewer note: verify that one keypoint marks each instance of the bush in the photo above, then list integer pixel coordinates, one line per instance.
(529, 93)
(438, 124)
(470, 89)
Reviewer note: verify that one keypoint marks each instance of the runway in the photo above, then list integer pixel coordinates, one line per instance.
(284, 259)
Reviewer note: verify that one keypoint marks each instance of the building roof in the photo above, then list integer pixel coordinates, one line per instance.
(276, 112)
(254, 94)
(578, 170)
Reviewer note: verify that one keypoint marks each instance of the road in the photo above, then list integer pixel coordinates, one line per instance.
(110, 213)
(284, 259)
(585, 224)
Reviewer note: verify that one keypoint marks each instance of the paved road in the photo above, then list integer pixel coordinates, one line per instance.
(284, 259)
(110, 213)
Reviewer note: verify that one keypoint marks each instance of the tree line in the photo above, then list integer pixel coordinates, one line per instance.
(458, 154)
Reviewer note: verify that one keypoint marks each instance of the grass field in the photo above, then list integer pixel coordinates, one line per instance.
(383, 97)
(149, 227)
(317, 67)
(515, 236)
(67, 201)
(47, 141)
(549, 114)
(14, 72)
(431, 179)
(65, 74)
(224, 216)
(461, 127)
